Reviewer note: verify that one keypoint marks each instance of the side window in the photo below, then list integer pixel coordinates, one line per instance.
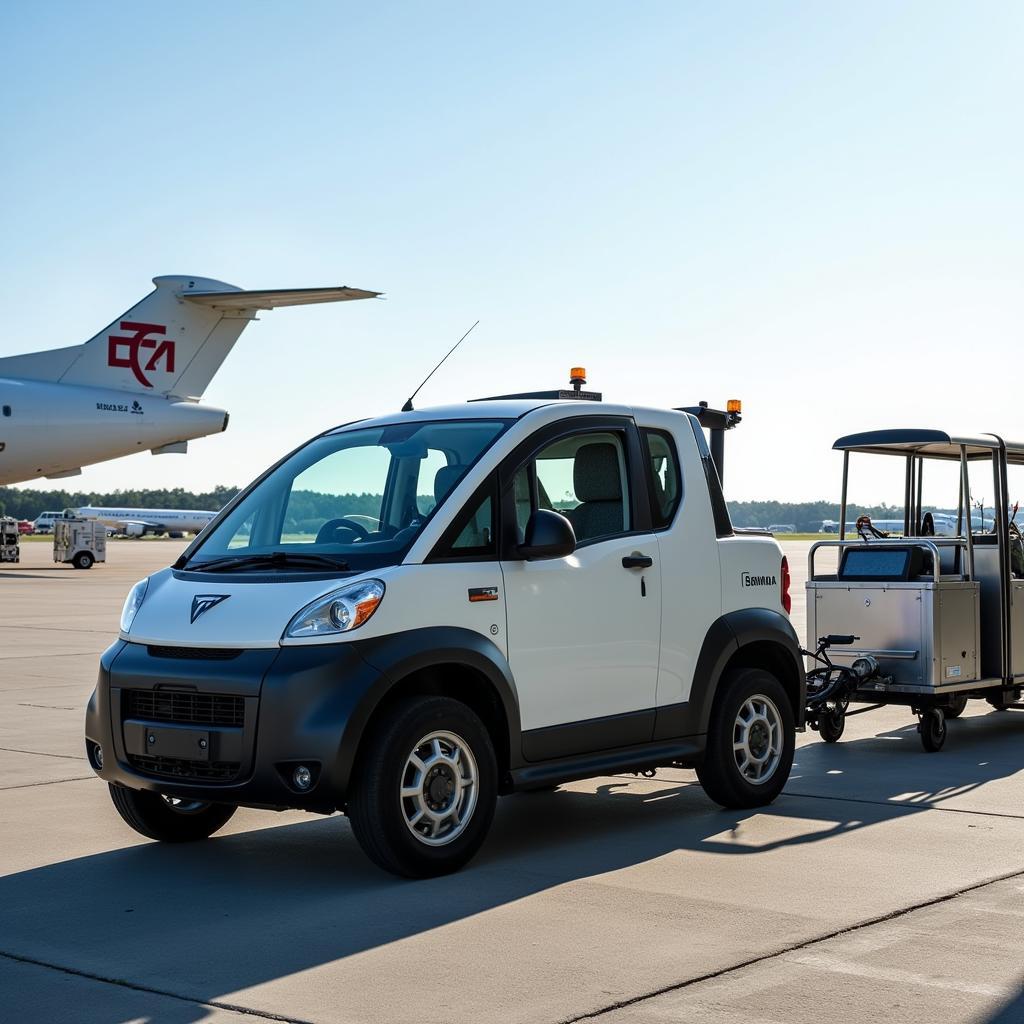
(474, 531)
(665, 478)
(584, 478)
(435, 480)
(477, 536)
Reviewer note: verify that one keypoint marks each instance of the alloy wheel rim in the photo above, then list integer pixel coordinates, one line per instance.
(757, 739)
(439, 787)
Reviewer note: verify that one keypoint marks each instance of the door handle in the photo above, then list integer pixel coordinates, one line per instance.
(637, 562)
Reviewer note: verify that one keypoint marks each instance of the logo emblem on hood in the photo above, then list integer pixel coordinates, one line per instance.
(202, 603)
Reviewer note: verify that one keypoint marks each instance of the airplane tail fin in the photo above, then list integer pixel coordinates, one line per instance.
(172, 342)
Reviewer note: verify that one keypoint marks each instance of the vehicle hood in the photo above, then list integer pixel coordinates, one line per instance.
(252, 612)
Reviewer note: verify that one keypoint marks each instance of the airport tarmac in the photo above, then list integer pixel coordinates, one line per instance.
(885, 884)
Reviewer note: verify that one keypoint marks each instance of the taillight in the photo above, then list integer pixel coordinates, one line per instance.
(787, 600)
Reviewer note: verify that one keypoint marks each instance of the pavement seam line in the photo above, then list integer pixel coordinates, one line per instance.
(763, 958)
(122, 983)
(906, 806)
(901, 804)
(48, 782)
(42, 753)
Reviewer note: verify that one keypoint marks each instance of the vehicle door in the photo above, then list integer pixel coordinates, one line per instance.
(583, 630)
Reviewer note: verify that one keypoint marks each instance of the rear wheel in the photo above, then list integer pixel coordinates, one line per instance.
(169, 819)
(751, 738)
(425, 788)
(957, 708)
(83, 560)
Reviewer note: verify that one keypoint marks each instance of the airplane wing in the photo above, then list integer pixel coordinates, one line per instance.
(123, 524)
(274, 299)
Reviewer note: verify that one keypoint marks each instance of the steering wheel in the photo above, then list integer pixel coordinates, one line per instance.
(326, 532)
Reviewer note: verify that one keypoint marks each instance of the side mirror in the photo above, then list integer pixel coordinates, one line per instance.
(548, 535)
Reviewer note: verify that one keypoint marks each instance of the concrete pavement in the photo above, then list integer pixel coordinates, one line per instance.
(885, 883)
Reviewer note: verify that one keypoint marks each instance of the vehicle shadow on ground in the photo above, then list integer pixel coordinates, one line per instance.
(892, 766)
(1011, 1012)
(209, 919)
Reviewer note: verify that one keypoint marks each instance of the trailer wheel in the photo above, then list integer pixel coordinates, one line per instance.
(168, 819)
(832, 723)
(751, 739)
(957, 708)
(83, 560)
(932, 727)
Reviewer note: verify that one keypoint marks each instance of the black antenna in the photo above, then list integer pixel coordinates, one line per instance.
(408, 405)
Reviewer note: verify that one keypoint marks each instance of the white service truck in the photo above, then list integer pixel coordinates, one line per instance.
(411, 615)
(79, 542)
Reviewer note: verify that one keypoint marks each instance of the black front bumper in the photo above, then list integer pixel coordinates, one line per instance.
(233, 726)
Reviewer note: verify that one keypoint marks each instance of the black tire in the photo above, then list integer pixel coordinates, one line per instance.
(83, 560)
(957, 708)
(155, 817)
(720, 774)
(832, 724)
(932, 727)
(378, 812)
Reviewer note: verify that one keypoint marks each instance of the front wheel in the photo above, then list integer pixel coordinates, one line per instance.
(83, 560)
(832, 723)
(169, 819)
(751, 738)
(425, 788)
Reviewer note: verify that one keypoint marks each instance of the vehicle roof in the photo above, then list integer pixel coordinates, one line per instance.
(492, 409)
(930, 444)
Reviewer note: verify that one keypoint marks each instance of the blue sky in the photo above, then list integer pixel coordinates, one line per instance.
(817, 208)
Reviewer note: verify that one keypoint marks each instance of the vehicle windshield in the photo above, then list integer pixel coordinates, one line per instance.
(348, 501)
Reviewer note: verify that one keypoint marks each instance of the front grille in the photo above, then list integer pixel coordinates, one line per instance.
(194, 653)
(177, 768)
(185, 707)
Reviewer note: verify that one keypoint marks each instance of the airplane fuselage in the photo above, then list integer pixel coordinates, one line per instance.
(135, 522)
(50, 429)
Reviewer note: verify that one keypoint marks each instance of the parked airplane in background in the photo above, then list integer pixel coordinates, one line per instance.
(137, 522)
(136, 385)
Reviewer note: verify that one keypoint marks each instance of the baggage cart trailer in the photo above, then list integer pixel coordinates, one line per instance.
(9, 540)
(919, 620)
(80, 542)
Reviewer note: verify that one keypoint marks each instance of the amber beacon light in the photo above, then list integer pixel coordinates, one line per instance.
(734, 405)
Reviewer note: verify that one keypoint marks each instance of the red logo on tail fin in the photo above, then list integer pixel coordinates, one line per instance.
(133, 343)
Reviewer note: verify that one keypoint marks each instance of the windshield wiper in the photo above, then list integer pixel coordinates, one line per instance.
(276, 560)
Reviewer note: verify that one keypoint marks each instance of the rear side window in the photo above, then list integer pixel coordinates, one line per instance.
(665, 480)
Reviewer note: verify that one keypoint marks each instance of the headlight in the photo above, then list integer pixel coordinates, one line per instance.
(132, 604)
(338, 612)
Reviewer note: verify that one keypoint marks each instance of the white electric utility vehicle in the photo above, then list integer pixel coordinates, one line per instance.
(411, 615)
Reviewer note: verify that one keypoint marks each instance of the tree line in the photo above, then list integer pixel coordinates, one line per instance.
(307, 507)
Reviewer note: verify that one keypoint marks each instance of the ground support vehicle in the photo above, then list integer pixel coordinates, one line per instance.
(79, 542)
(411, 615)
(10, 551)
(920, 620)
